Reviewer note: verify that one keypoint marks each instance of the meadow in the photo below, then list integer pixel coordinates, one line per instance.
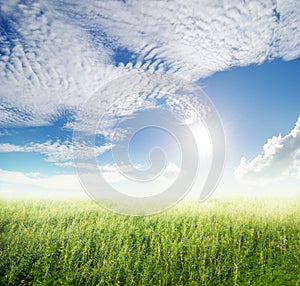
(218, 242)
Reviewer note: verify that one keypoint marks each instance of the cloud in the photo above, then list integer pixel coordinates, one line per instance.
(195, 38)
(55, 55)
(32, 185)
(61, 154)
(288, 29)
(46, 64)
(280, 159)
(15, 184)
(62, 182)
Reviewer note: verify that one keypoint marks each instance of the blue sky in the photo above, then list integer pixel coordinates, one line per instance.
(256, 102)
(55, 56)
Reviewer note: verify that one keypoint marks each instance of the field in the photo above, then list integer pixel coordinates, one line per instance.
(219, 242)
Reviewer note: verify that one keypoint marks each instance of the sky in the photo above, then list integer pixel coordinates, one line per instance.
(56, 55)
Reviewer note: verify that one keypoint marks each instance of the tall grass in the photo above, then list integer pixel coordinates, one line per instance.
(236, 242)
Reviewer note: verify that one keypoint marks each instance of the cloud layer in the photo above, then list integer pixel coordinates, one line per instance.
(55, 55)
(280, 159)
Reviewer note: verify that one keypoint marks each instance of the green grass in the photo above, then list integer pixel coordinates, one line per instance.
(235, 242)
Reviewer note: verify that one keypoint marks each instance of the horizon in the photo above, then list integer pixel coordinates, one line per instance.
(52, 64)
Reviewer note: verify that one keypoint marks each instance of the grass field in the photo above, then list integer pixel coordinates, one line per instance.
(225, 242)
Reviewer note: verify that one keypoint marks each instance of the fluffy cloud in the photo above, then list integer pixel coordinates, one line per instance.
(280, 158)
(55, 55)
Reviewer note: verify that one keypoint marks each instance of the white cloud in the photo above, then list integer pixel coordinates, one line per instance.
(280, 158)
(33, 184)
(64, 182)
(289, 29)
(46, 64)
(61, 154)
(131, 98)
(196, 38)
(56, 54)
